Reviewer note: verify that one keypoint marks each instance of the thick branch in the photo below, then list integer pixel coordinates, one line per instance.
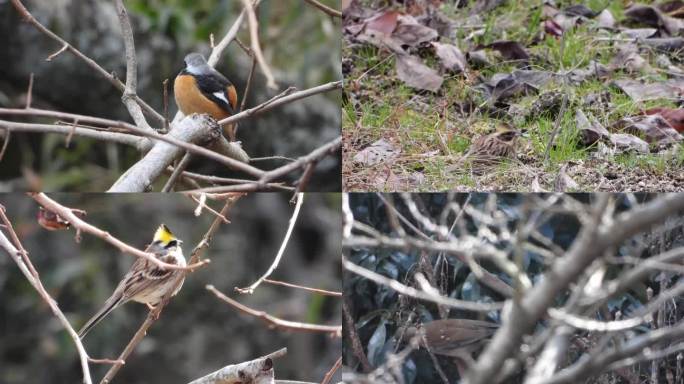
(257, 371)
(189, 130)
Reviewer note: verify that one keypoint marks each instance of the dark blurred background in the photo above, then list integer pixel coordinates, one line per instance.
(300, 43)
(196, 333)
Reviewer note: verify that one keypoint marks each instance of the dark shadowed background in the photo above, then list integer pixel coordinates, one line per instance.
(196, 333)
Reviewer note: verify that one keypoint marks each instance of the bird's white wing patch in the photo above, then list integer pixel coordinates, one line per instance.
(221, 96)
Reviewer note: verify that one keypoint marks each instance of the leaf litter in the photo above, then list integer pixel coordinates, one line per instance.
(619, 70)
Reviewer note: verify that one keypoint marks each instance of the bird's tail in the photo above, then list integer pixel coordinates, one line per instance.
(109, 306)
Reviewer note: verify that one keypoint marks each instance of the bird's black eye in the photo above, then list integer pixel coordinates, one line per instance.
(171, 243)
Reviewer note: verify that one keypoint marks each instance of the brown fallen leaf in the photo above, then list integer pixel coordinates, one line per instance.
(590, 131)
(675, 117)
(640, 91)
(379, 152)
(654, 128)
(624, 142)
(451, 57)
(552, 28)
(384, 22)
(415, 74)
(652, 16)
(410, 32)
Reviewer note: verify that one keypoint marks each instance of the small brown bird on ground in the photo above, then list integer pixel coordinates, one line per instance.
(491, 149)
(451, 337)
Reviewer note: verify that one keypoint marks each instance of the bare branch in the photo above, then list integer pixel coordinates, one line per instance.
(15, 251)
(286, 239)
(333, 330)
(315, 290)
(325, 8)
(68, 215)
(256, 47)
(258, 371)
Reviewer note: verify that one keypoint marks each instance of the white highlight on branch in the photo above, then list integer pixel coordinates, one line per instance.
(293, 220)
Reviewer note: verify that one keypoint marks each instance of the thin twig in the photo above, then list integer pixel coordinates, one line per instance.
(329, 375)
(315, 290)
(283, 245)
(165, 84)
(81, 226)
(29, 93)
(31, 275)
(333, 330)
(270, 104)
(325, 8)
(178, 169)
(256, 47)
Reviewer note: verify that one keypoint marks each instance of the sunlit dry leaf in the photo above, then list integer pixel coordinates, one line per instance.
(606, 20)
(384, 22)
(451, 57)
(590, 131)
(675, 117)
(391, 181)
(640, 91)
(625, 142)
(637, 33)
(379, 152)
(414, 73)
(654, 128)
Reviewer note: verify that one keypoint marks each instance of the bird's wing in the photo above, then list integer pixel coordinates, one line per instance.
(218, 89)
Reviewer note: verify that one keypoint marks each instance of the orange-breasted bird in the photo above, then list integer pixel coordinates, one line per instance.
(199, 88)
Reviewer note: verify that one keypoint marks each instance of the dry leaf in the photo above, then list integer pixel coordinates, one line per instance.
(675, 117)
(625, 142)
(606, 20)
(379, 152)
(654, 128)
(451, 57)
(590, 131)
(640, 91)
(414, 73)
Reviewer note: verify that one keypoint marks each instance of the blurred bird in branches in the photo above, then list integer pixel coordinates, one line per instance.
(451, 337)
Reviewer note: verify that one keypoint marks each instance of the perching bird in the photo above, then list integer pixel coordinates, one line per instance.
(491, 149)
(199, 88)
(145, 282)
(451, 337)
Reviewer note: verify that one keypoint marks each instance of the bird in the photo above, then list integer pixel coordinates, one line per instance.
(145, 282)
(491, 149)
(451, 337)
(201, 89)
